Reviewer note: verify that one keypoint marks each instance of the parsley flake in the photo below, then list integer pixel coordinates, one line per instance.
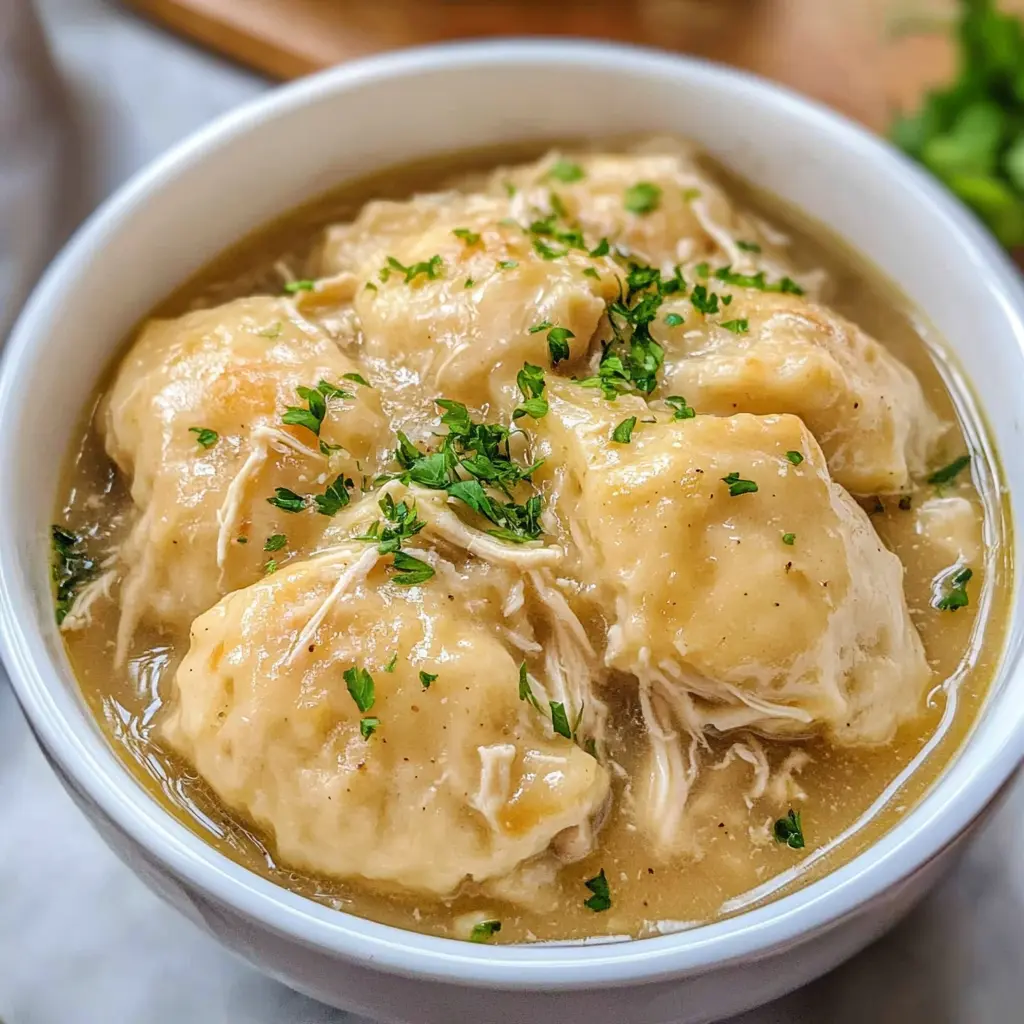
(702, 301)
(737, 326)
(507, 264)
(368, 726)
(426, 678)
(738, 486)
(70, 567)
(286, 500)
(357, 378)
(949, 473)
(602, 898)
(747, 246)
(602, 248)
(292, 287)
(431, 269)
(205, 437)
(559, 719)
(335, 498)
(525, 693)
(789, 538)
(390, 666)
(795, 457)
(789, 830)
(565, 171)
(359, 683)
(642, 198)
(786, 285)
(469, 237)
(530, 380)
(484, 931)
(682, 410)
(558, 344)
(623, 433)
(956, 597)
(270, 566)
(410, 571)
(673, 320)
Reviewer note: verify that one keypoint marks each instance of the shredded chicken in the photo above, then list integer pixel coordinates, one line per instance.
(80, 614)
(495, 781)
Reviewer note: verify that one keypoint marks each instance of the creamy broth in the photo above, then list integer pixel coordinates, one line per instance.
(848, 796)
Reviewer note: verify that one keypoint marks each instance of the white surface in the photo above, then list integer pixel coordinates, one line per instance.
(86, 907)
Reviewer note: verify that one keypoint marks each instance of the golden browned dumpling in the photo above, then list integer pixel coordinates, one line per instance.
(736, 576)
(197, 420)
(453, 297)
(781, 353)
(376, 730)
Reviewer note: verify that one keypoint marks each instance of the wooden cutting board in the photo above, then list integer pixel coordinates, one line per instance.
(842, 52)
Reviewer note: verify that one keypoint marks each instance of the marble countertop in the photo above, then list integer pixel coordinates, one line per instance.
(83, 942)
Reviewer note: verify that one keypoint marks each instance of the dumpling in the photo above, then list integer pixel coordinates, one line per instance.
(787, 355)
(195, 421)
(440, 774)
(453, 297)
(655, 202)
(741, 585)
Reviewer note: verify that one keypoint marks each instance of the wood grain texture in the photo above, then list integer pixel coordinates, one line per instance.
(838, 51)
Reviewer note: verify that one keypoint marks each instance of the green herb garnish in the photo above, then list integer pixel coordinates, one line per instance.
(747, 246)
(360, 687)
(602, 898)
(507, 264)
(789, 538)
(484, 931)
(795, 457)
(410, 571)
(70, 567)
(673, 320)
(956, 597)
(286, 500)
(789, 830)
(559, 719)
(565, 171)
(390, 666)
(682, 410)
(738, 486)
(426, 678)
(642, 198)
(431, 269)
(737, 326)
(702, 301)
(469, 237)
(949, 473)
(786, 285)
(525, 693)
(335, 498)
(368, 726)
(530, 380)
(357, 378)
(299, 286)
(623, 433)
(205, 437)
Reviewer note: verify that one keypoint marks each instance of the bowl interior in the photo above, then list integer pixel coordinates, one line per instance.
(284, 149)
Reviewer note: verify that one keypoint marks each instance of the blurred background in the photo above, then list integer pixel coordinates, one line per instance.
(91, 90)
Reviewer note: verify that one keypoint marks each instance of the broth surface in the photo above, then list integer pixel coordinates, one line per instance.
(852, 795)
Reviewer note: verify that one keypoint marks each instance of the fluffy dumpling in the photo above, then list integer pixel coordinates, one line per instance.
(655, 202)
(437, 776)
(783, 354)
(195, 420)
(453, 296)
(740, 583)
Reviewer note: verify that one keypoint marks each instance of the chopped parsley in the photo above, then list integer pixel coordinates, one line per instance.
(468, 283)
(299, 286)
(956, 596)
(270, 566)
(737, 326)
(673, 320)
(786, 285)
(789, 538)
(401, 523)
(287, 501)
(602, 248)
(623, 433)
(335, 498)
(71, 566)
(702, 270)
(357, 378)
(738, 486)
(431, 269)
(484, 931)
(390, 666)
(681, 409)
(560, 720)
(368, 726)
(795, 457)
(525, 693)
(591, 272)
(558, 344)
(789, 830)
(702, 301)
(410, 571)
(312, 416)
(949, 473)
(565, 171)
(205, 437)
(747, 246)
(469, 237)
(426, 678)
(530, 380)
(642, 198)
(507, 264)
(241, 540)
(360, 687)
(602, 898)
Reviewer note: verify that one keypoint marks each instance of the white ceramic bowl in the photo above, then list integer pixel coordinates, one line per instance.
(286, 148)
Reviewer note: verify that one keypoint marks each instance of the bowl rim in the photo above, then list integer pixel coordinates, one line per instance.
(96, 771)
